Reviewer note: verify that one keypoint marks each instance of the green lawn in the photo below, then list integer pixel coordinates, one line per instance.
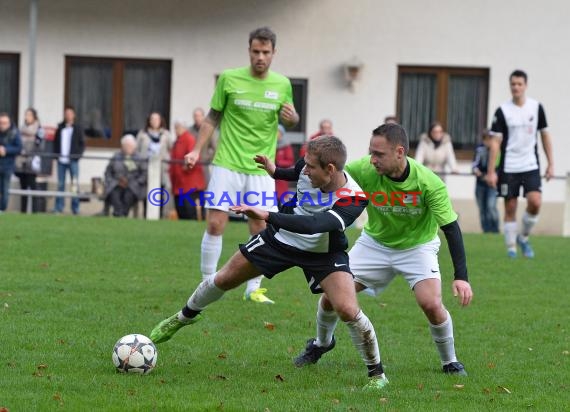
(71, 286)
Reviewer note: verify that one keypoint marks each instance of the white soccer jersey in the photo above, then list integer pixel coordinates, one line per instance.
(519, 126)
(311, 200)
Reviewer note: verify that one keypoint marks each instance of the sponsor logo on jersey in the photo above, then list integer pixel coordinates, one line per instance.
(271, 95)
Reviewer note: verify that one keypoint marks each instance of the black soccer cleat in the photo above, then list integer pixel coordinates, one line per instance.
(312, 353)
(454, 368)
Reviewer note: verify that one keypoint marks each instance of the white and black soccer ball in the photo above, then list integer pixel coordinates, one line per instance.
(135, 353)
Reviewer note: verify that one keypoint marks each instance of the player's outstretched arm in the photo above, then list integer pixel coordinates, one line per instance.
(265, 163)
(461, 288)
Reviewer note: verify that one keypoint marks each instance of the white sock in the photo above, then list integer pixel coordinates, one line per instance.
(511, 229)
(364, 339)
(253, 284)
(326, 324)
(206, 293)
(442, 335)
(528, 222)
(211, 251)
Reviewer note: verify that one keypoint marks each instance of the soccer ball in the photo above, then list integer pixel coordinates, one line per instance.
(135, 353)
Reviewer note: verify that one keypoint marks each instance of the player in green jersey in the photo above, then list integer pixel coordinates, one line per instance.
(407, 206)
(247, 105)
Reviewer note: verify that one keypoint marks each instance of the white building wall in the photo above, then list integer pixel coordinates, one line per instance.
(315, 38)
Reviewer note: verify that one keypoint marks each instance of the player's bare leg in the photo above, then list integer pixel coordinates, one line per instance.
(235, 272)
(339, 300)
(428, 296)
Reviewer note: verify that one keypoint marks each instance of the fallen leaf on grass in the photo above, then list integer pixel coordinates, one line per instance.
(6, 306)
(57, 396)
(437, 395)
(504, 389)
(421, 386)
(530, 349)
(222, 355)
(566, 353)
(131, 392)
(37, 374)
(290, 349)
(280, 378)
(491, 365)
(269, 325)
(218, 377)
(383, 400)
(42, 366)
(459, 386)
(336, 401)
(44, 265)
(486, 391)
(383, 305)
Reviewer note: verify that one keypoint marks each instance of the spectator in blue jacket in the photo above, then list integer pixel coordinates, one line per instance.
(486, 195)
(10, 147)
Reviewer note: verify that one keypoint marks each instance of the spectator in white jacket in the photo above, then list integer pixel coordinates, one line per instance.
(435, 151)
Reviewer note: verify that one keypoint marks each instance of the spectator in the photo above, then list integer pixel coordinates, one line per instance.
(325, 129)
(284, 158)
(185, 180)
(10, 146)
(435, 151)
(209, 150)
(28, 164)
(155, 141)
(69, 144)
(125, 178)
(485, 195)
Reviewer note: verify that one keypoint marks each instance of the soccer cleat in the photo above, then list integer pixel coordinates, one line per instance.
(454, 368)
(512, 253)
(312, 353)
(376, 383)
(526, 248)
(169, 326)
(258, 296)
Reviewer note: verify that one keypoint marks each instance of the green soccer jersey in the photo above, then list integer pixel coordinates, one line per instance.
(402, 215)
(250, 108)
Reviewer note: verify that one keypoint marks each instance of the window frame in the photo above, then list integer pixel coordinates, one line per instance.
(15, 86)
(117, 99)
(443, 74)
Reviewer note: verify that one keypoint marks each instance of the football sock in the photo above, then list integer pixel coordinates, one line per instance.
(206, 293)
(326, 324)
(253, 284)
(510, 229)
(442, 335)
(364, 339)
(211, 251)
(528, 222)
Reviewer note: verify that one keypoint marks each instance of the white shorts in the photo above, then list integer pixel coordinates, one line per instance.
(229, 188)
(375, 265)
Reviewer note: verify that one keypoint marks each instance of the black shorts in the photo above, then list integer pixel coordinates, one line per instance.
(510, 183)
(272, 257)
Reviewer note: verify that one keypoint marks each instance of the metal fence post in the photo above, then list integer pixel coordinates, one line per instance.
(153, 182)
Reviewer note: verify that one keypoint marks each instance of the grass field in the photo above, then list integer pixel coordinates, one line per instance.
(71, 286)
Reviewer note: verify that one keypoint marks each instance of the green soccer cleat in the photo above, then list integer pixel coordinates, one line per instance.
(169, 326)
(258, 296)
(376, 383)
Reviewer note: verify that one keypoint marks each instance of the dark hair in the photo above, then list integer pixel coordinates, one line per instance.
(5, 114)
(432, 126)
(394, 134)
(519, 73)
(263, 34)
(34, 113)
(328, 149)
(162, 121)
(69, 107)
